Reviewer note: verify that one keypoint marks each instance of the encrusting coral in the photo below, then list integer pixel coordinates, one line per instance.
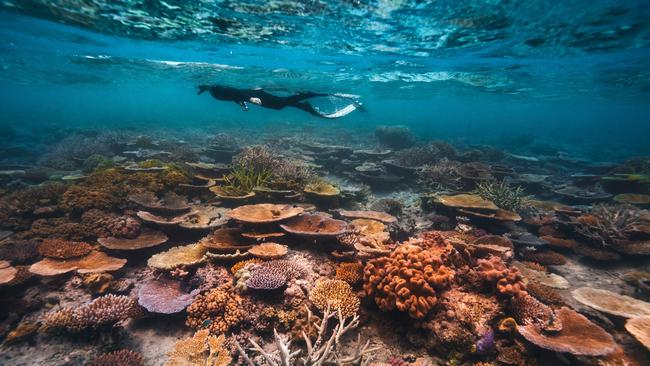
(218, 310)
(202, 349)
(103, 311)
(121, 357)
(336, 295)
(63, 249)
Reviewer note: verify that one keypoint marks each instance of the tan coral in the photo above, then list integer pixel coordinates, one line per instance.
(93, 262)
(269, 250)
(148, 238)
(226, 240)
(187, 255)
(63, 249)
(199, 350)
(221, 309)
(578, 336)
(611, 303)
(264, 213)
(315, 225)
(7, 273)
(640, 329)
(467, 201)
(371, 215)
(335, 295)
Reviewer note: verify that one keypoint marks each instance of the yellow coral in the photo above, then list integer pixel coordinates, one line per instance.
(241, 264)
(199, 350)
(335, 294)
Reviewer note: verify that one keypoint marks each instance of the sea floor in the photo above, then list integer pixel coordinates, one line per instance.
(195, 249)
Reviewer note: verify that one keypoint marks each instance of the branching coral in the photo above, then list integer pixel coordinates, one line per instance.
(324, 350)
(218, 310)
(502, 194)
(202, 349)
(408, 280)
(278, 173)
(336, 295)
(442, 175)
(608, 225)
(414, 157)
(103, 311)
(243, 179)
(121, 357)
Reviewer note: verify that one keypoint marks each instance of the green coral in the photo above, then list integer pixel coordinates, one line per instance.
(96, 161)
(502, 194)
(244, 178)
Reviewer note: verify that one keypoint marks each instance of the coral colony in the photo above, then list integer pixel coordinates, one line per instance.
(223, 251)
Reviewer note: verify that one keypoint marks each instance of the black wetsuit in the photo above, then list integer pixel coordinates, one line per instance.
(266, 100)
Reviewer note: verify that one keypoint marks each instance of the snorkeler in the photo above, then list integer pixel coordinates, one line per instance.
(267, 100)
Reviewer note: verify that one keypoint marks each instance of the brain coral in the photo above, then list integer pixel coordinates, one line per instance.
(335, 294)
(408, 279)
(218, 310)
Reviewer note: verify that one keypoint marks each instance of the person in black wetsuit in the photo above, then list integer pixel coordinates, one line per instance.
(267, 100)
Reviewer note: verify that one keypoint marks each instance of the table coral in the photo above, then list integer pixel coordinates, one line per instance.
(336, 295)
(408, 280)
(219, 310)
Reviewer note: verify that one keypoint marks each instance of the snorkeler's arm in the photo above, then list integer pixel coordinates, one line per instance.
(243, 105)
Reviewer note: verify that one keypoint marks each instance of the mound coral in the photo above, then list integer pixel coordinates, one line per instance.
(408, 280)
(19, 251)
(336, 295)
(78, 199)
(494, 272)
(200, 350)
(103, 311)
(121, 357)
(218, 310)
(546, 257)
(63, 249)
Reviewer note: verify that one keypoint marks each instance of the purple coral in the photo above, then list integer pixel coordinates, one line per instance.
(485, 343)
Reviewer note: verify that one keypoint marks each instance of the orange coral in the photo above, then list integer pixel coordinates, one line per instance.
(408, 279)
(507, 279)
(63, 249)
(241, 264)
(351, 273)
(219, 310)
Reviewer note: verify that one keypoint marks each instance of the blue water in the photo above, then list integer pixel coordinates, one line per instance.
(573, 74)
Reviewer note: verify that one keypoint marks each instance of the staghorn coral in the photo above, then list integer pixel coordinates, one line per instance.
(202, 349)
(63, 249)
(323, 350)
(442, 175)
(336, 295)
(218, 310)
(408, 280)
(121, 357)
(606, 226)
(107, 310)
(351, 273)
(502, 194)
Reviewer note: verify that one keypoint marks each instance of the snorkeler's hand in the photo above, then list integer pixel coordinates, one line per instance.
(257, 101)
(243, 106)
